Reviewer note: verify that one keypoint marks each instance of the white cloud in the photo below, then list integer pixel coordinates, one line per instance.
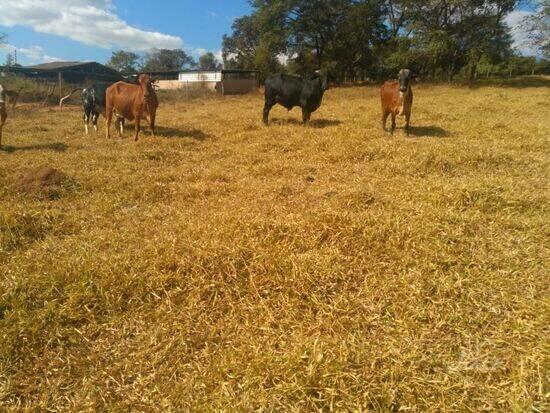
(93, 22)
(32, 54)
(515, 21)
(283, 58)
(199, 51)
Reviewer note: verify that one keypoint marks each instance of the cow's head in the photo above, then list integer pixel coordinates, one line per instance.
(146, 84)
(404, 78)
(323, 76)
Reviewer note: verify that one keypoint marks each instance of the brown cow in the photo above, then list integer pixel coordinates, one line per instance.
(131, 102)
(397, 99)
(3, 112)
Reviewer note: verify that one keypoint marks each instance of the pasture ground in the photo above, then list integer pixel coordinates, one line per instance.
(228, 266)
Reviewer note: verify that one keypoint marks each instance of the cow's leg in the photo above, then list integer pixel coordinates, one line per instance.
(392, 123)
(152, 124)
(267, 107)
(407, 124)
(119, 126)
(306, 115)
(138, 120)
(95, 117)
(108, 120)
(385, 115)
(86, 120)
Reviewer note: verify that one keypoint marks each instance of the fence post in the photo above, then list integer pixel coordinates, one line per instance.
(60, 80)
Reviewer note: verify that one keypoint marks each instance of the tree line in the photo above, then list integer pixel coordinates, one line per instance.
(156, 60)
(367, 39)
(361, 39)
(161, 60)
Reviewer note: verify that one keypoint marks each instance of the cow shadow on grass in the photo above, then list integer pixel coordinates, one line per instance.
(56, 147)
(196, 134)
(314, 123)
(428, 131)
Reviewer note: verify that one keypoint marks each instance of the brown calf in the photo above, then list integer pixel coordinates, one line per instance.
(397, 99)
(131, 102)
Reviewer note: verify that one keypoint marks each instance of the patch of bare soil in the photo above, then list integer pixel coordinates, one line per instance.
(44, 181)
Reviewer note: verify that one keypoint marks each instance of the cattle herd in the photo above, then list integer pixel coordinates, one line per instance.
(137, 101)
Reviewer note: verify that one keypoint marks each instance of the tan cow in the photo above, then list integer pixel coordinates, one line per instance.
(132, 102)
(397, 99)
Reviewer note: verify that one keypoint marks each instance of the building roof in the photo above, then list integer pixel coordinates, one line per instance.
(71, 71)
(57, 65)
(176, 72)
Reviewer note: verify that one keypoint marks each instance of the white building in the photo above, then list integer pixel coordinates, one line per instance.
(227, 82)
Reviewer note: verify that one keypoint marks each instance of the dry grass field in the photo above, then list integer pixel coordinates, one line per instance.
(226, 266)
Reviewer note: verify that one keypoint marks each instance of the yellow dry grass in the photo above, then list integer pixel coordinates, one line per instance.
(232, 267)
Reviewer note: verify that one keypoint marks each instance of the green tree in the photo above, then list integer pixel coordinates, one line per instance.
(353, 53)
(239, 50)
(209, 62)
(538, 27)
(10, 60)
(301, 25)
(457, 33)
(375, 38)
(125, 62)
(159, 60)
(254, 44)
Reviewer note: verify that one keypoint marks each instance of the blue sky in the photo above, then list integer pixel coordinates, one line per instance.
(46, 30)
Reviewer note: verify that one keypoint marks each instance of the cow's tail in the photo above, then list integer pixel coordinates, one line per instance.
(64, 98)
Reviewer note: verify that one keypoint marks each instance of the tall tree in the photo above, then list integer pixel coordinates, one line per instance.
(254, 44)
(538, 27)
(397, 12)
(239, 49)
(159, 60)
(372, 37)
(459, 32)
(10, 60)
(303, 24)
(209, 62)
(123, 61)
(362, 34)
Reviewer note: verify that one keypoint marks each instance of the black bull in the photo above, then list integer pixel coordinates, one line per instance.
(291, 91)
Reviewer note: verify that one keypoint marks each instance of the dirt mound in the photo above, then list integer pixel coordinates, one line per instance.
(44, 181)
